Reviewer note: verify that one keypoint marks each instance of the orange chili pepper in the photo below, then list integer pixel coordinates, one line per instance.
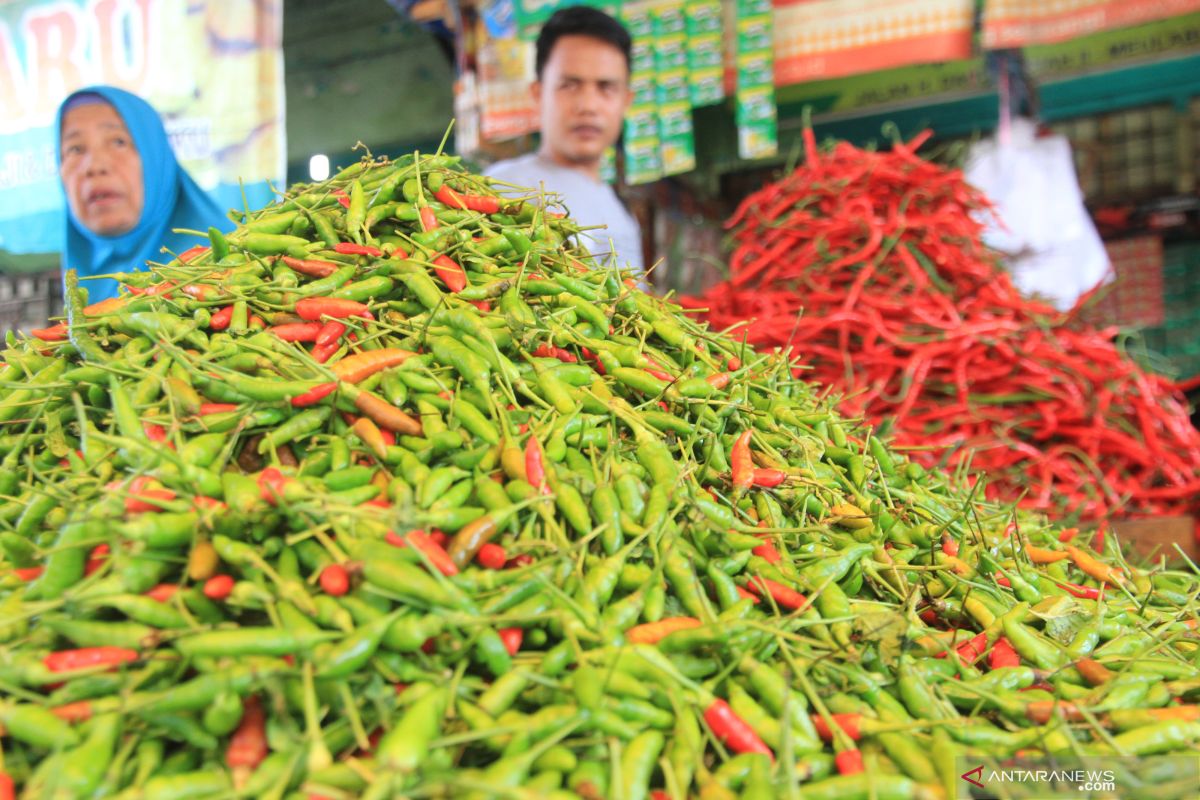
(1042, 555)
(1093, 671)
(741, 463)
(361, 366)
(368, 431)
(1094, 567)
(386, 415)
(653, 632)
(55, 333)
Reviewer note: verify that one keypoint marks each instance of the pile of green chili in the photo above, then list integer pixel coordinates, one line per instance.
(397, 491)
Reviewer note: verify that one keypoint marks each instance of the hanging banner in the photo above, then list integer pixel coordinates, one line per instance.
(506, 71)
(212, 68)
(1016, 23)
(817, 39)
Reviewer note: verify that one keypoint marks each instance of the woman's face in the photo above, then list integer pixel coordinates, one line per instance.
(101, 169)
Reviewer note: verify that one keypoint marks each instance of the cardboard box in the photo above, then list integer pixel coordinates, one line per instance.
(1157, 536)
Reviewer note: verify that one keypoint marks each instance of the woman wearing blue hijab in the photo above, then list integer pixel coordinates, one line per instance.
(125, 190)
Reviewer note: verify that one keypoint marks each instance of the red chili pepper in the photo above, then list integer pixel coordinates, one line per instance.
(768, 478)
(849, 762)
(315, 395)
(352, 249)
(217, 408)
(784, 596)
(202, 503)
(96, 559)
(321, 354)
(849, 723)
(297, 331)
(949, 545)
(330, 332)
(313, 308)
(342, 198)
(310, 267)
(484, 204)
(970, 650)
(491, 556)
(55, 333)
(516, 562)
(733, 731)
(767, 550)
(192, 252)
(744, 595)
(334, 580)
(271, 483)
(451, 273)
(146, 494)
(741, 463)
(88, 657)
(163, 289)
(535, 465)
(154, 432)
(218, 587)
(220, 320)
(248, 744)
(512, 638)
(163, 592)
(658, 373)
(434, 550)
(1003, 655)
(719, 380)
(28, 573)
(429, 220)
(80, 711)
(1082, 592)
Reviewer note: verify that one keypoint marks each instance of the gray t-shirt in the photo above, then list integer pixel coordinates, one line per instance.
(589, 202)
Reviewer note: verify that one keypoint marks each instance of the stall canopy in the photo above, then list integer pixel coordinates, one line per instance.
(213, 69)
(816, 39)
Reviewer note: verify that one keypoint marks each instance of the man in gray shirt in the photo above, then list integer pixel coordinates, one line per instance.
(582, 92)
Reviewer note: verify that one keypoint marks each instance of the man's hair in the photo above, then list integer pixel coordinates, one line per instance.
(582, 21)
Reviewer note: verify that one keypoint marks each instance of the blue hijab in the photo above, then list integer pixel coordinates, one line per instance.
(172, 200)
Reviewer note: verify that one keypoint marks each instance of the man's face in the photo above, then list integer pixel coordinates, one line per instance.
(101, 170)
(582, 96)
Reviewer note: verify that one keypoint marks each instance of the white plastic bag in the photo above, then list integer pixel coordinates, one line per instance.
(1051, 246)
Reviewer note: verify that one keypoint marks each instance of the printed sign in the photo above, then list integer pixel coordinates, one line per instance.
(212, 68)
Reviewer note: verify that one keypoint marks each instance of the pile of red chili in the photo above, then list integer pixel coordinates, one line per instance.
(871, 267)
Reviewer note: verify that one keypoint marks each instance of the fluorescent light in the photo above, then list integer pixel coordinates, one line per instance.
(318, 167)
